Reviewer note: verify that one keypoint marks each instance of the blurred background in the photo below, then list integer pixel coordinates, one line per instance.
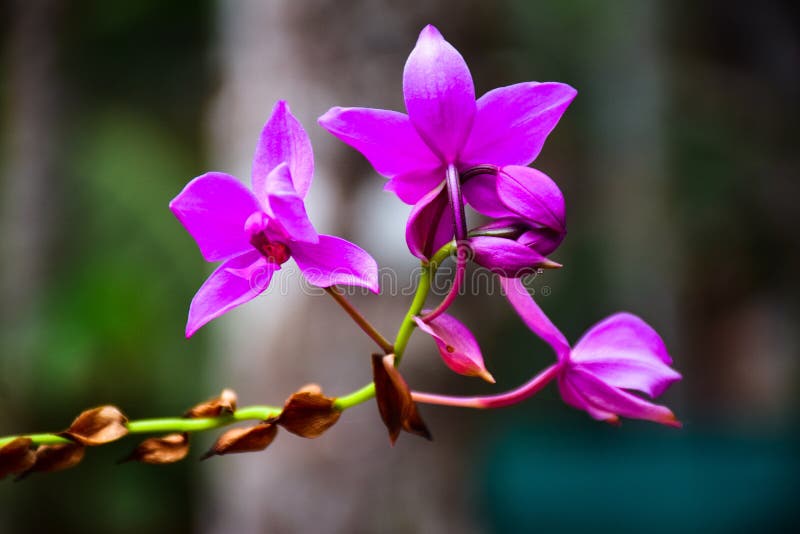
(680, 167)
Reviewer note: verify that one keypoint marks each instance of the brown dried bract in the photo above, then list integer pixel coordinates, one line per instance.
(308, 413)
(397, 409)
(225, 403)
(164, 450)
(312, 388)
(248, 439)
(97, 426)
(51, 458)
(16, 457)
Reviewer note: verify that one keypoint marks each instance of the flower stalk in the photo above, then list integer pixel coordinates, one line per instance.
(337, 295)
(514, 396)
(462, 254)
(168, 424)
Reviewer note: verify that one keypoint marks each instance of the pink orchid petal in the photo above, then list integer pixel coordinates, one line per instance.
(505, 256)
(412, 186)
(513, 122)
(576, 400)
(625, 333)
(335, 261)
(283, 140)
(533, 316)
(386, 138)
(480, 192)
(431, 224)
(439, 94)
(532, 195)
(235, 282)
(647, 377)
(213, 208)
(543, 240)
(625, 352)
(287, 207)
(607, 398)
(457, 346)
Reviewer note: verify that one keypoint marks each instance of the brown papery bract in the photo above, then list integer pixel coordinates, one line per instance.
(397, 409)
(51, 458)
(16, 457)
(97, 426)
(164, 450)
(308, 413)
(225, 403)
(247, 439)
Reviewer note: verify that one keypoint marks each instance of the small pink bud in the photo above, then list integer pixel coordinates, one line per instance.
(457, 345)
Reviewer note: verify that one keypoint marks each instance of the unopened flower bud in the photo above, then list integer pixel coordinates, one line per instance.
(457, 346)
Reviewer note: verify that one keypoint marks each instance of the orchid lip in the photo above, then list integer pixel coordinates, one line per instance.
(274, 251)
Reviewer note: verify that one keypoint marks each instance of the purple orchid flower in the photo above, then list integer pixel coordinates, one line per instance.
(445, 133)
(619, 353)
(254, 233)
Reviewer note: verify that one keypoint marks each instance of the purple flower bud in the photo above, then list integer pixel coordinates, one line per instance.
(456, 344)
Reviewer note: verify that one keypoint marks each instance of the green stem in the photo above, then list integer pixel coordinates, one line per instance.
(357, 397)
(168, 424)
(40, 439)
(406, 327)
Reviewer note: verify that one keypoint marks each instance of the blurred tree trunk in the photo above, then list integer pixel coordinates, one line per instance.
(317, 54)
(29, 190)
(642, 249)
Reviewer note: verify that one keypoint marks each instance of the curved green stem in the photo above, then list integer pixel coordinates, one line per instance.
(39, 439)
(168, 424)
(355, 398)
(408, 325)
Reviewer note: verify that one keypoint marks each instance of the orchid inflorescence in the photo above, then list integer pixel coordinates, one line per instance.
(447, 152)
